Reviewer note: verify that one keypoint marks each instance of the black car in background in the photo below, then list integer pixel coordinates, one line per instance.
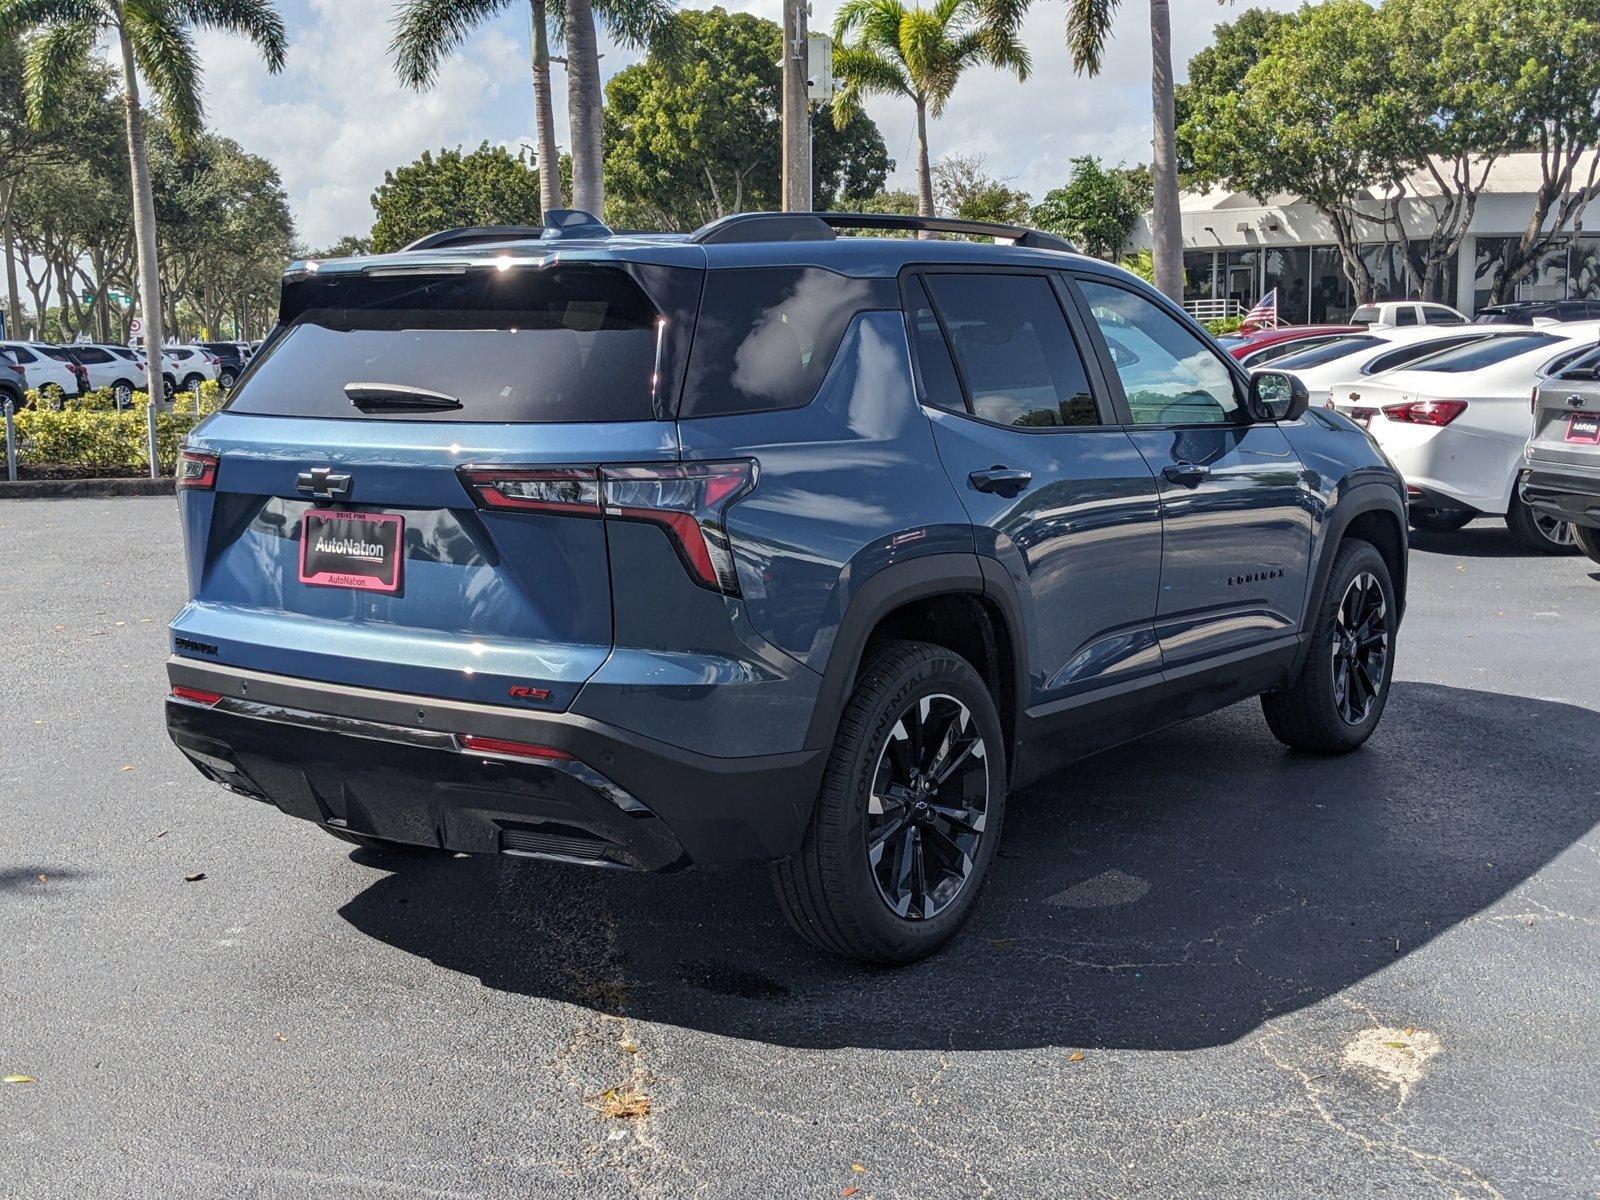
(1526, 312)
(234, 355)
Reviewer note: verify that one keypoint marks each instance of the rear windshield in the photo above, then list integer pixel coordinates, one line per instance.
(1412, 352)
(567, 343)
(1585, 368)
(1486, 353)
(1326, 353)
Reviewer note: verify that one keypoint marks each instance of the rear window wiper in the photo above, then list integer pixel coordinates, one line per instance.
(398, 397)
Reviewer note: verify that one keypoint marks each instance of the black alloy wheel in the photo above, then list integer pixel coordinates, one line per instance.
(1360, 648)
(928, 807)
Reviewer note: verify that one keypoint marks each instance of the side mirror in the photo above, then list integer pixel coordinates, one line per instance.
(1278, 396)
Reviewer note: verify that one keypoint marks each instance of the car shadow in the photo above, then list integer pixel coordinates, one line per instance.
(1174, 893)
(1488, 538)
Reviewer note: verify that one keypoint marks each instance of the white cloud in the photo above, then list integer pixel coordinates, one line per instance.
(337, 117)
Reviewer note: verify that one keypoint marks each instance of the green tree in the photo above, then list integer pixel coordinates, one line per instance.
(1221, 66)
(1314, 116)
(885, 48)
(1097, 208)
(351, 245)
(696, 136)
(155, 43)
(962, 189)
(1088, 28)
(489, 186)
(427, 31)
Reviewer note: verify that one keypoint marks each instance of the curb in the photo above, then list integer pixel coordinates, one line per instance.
(49, 489)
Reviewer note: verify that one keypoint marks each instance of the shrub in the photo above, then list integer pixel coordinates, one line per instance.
(88, 431)
(1224, 325)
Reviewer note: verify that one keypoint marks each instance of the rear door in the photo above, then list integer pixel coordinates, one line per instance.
(1057, 492)
(1236, 520)
(346, 538)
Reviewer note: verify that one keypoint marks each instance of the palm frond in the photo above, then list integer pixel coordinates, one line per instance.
(426, 32)
(19, 16)
(52, 68)
(257, 20)
(640, 23)
(1088, 29)
(164, 49)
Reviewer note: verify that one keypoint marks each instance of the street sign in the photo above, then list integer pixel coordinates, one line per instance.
(135, 331)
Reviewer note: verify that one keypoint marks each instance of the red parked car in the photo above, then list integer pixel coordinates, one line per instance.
(1259, 346)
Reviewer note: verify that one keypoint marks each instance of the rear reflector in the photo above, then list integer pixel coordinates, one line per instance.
(195, 695)
(489, 745)
(197, 470)
(1426, 412)
(688, 501)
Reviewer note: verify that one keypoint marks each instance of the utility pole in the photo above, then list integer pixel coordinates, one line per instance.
(796, 109)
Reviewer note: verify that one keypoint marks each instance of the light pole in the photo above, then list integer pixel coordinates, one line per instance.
(796, 109)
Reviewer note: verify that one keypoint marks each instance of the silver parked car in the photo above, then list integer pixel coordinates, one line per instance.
(1562, 476)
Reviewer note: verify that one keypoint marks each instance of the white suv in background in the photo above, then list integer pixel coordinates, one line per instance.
(1401, 313)
(112, 366)
(188, 366)
(49, 370)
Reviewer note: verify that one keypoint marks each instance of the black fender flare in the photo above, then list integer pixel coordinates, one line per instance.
(921, 578)
(1359, 499)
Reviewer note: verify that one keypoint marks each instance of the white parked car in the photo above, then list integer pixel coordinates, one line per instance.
(1355, 356)
(1455, 424)
(49, 370)
(189, 366)
(1398, 314)
(111, 366)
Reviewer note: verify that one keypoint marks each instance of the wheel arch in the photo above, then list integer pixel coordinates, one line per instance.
(1373, 513)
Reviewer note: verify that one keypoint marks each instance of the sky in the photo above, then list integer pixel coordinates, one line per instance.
(336, 118)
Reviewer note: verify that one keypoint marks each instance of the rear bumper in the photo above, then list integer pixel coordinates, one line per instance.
(393, 766)
(1571, 495)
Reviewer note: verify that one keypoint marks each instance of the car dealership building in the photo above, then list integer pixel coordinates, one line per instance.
(1236, 248)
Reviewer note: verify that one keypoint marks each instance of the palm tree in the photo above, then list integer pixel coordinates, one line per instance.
(884, 48)
(155, 40)
(1088, 28)
(425, 31)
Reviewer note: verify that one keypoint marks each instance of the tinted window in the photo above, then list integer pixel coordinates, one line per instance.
(1328, 352)
(1270, 353)
(91, 354)
(21, 354)
(1017, 356)
(1405, 315)
(940, 386)
(52, 353)
(1413, 352)
(1485, 354)
(766, 336)
(1435, 315)
(1170, 376)
(555, 344)
(179, 355)
(121, 353)
(1582, 368)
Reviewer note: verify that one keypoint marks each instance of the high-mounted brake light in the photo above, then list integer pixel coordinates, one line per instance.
(195, 695)
(503, 746)
(1426, 412)
(197, 470)
(688, 501)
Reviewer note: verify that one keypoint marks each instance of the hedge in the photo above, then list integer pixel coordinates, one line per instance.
(90, 431)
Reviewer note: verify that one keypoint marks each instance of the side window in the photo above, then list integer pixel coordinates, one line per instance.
(21, 355)
(1405, 314)
(1437, 315)
(89, 354)
(1170, 376)
(1016, 352)
(940, 386)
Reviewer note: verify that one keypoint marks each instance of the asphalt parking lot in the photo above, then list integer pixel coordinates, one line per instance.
(1203, 966)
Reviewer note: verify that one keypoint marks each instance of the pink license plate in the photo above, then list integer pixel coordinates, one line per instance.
(1584, 427)
(356, 550)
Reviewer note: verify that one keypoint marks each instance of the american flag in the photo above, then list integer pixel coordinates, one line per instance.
(1265, 314)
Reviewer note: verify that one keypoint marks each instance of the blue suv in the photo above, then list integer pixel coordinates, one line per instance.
(757, 544)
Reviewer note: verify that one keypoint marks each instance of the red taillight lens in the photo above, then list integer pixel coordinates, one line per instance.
(489, 745)
(686, 500)
(1426, 412)
(197, 470)
(195, 695)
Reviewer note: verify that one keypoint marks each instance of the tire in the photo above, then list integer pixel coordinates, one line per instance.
(226, 380)
(122, 392)
(169, 387)
(1439, 521)
(835, 894)
(1313, 713)
(192, 383)
(385, 847)
(1534, 531)
(16, 399)
(1588, 540)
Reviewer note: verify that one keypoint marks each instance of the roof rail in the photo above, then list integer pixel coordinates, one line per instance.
(559, 224)
(820, 227)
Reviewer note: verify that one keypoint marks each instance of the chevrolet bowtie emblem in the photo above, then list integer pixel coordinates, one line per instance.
(322, 484)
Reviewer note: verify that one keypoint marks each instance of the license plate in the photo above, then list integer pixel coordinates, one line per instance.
(1584, 427)
(352, 550)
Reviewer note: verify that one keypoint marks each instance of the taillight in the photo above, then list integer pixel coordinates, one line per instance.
(686, 500)
(197, 470)
(1426, 412)
(510, 749)
(195, 695)
(1533, 401)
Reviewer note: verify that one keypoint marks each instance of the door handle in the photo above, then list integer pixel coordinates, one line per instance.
(1187, 473)
(1003, 481)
